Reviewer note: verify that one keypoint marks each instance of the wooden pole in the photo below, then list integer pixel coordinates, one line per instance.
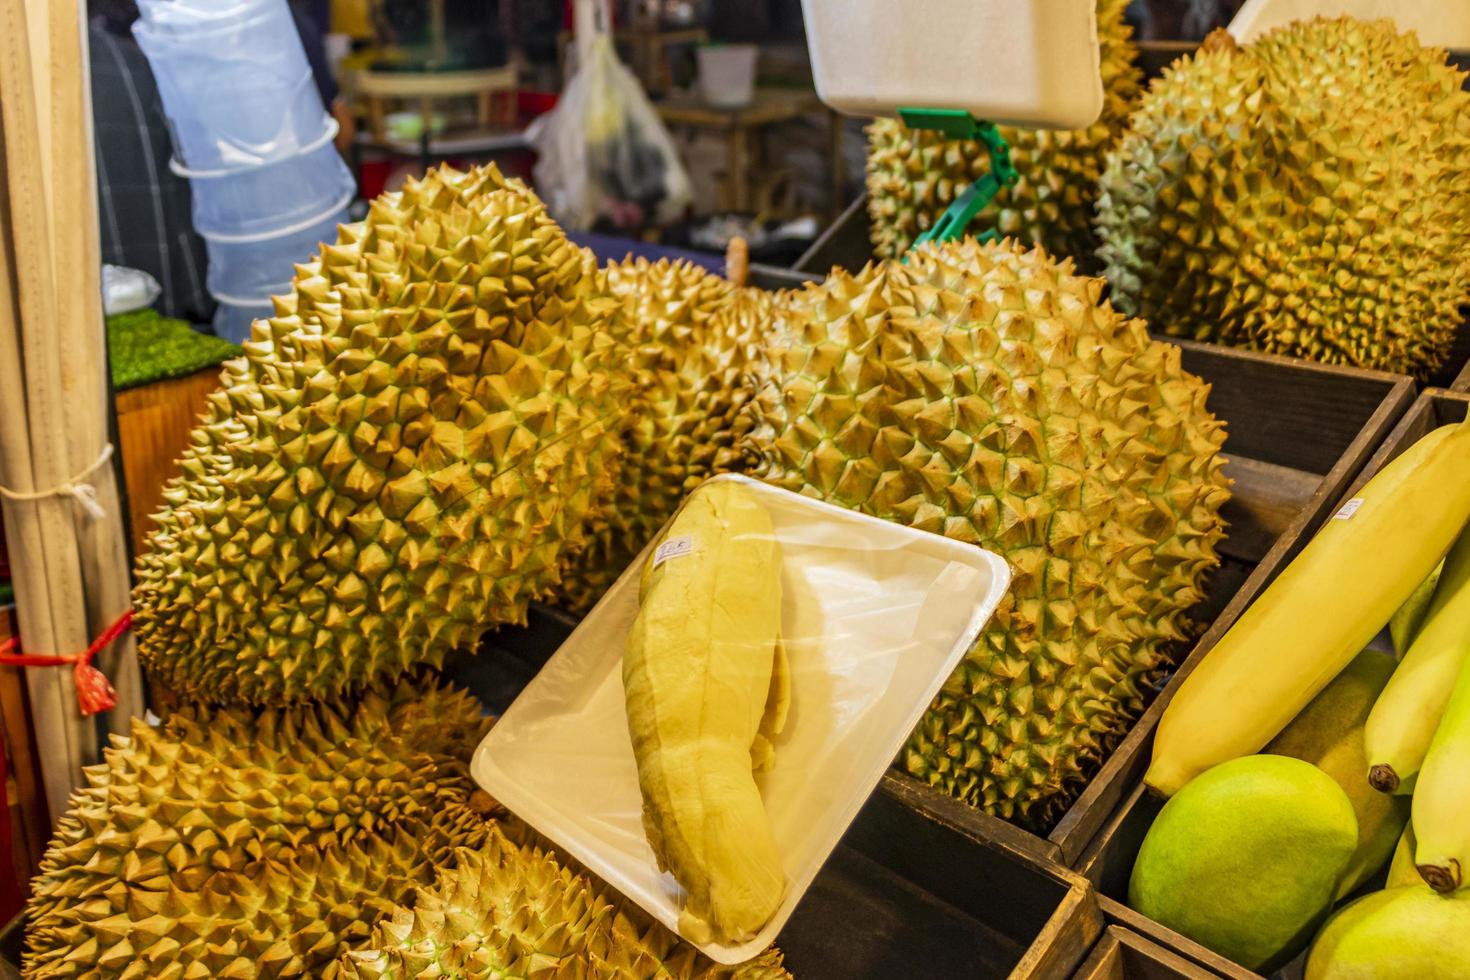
(48, 582)
(71, 568)
(77, 254)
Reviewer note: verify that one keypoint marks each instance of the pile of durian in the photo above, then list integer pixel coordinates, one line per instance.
(1307, 194)
(456, 412)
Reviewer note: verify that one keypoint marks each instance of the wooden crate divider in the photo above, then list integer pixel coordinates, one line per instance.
(1122, 954)
(1108, 860)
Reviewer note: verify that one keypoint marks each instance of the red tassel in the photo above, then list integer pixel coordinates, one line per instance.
(94, 692)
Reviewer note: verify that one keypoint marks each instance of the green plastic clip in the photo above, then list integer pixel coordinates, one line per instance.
(959, 124)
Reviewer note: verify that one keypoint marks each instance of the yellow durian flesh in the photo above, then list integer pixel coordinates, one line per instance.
(697, 676)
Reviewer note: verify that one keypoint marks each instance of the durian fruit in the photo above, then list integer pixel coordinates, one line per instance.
(913, 175)
(237, 843)
(696, 341)
(404, 457)
(514, 909)
(988, 394)
(698, 684)
(1308, 194)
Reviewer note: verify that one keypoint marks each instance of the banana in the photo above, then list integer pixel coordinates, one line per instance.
(1322, 609)
(1441, 814)
(1404, 625)
(1404, 717)
(706, 687)
(1401, 870)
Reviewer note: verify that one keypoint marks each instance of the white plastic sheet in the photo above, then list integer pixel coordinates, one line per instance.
(875, 616)
(125, 290)
(604, 146)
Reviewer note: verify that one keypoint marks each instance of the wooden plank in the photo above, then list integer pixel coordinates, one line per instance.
(1264, 500)
(1195, 956)
(1462, 383)
(1122, 954)
(442, 84)
(1455, 372)
(40, 534)
(844, 245)
(153, 425)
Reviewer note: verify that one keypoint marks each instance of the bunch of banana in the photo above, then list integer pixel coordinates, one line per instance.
(1324, 608)
(1397, 555)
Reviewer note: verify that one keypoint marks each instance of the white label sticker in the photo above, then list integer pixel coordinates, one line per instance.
(673, 548)
(1348, 510)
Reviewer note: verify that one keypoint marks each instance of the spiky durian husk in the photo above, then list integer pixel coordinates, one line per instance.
(986, 393)
(697, 344)
(1308, 194)
(402, 459)
(236, 843)
(513, 909)
(913, 175)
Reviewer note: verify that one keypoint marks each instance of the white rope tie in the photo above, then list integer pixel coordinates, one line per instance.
(76, 488)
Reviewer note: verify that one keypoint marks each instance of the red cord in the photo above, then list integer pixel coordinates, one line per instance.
(94, 692)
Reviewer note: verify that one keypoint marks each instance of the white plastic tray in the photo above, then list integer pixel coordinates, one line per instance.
(875, 617)
(1029, 63)
(1440, 23)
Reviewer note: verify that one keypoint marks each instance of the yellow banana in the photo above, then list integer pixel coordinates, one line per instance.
(1404, 625)
(1323, 608)
(1404, 717)
(1441, 813)
(1401, 870)
(699, 671)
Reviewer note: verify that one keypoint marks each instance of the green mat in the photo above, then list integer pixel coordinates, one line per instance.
(144, 347)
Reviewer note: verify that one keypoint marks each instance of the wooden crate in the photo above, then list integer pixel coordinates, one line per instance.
(1108, 861)
(1462, 383)
(845, 244)
(910, 891)
(1122, 954)
(153, 425)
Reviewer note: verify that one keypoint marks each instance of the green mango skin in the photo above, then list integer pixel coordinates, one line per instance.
(1408, 933)
(1246, 858)
(1329, 734)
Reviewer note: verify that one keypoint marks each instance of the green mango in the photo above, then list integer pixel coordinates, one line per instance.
(1329, 734)
(1404, 625)
(1246, 858)
(1407, 933)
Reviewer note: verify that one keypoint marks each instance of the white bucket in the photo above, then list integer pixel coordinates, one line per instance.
(727, 75)
(270, 198)
(1031, 63)
(232, 319)
(251, 269)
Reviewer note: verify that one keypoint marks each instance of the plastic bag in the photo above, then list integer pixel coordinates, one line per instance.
(125, 290)
(875, 617)
(603, 148)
